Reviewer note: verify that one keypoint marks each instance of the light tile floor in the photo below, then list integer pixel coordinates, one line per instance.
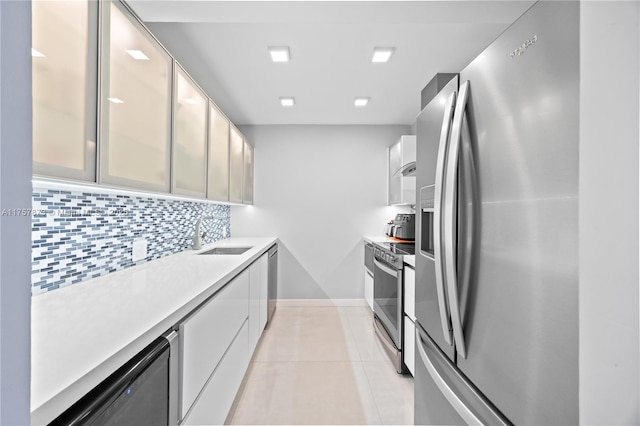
(323, 365)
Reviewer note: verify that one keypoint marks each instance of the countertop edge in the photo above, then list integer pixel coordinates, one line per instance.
(50, 409)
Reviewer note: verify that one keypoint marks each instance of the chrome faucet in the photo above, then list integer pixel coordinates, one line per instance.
(197, 238)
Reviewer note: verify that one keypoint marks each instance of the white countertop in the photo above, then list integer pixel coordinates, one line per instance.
(82, 333)
(408, 259)
(380, 239)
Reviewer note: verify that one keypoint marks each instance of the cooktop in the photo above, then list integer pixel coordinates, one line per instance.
(399, 248)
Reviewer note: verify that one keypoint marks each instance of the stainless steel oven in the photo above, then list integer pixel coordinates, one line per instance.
(388, 298)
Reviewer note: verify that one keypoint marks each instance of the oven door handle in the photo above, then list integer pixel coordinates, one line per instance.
(385, 268)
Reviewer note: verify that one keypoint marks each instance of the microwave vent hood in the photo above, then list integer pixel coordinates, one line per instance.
(407, 170)
(402, 171)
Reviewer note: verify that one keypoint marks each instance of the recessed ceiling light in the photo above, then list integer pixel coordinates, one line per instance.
(115, 100)
(190, 101)
(360, 102)
(37, 54)
(138, 54)
(280, 53)
(287, 102)
(382, 54)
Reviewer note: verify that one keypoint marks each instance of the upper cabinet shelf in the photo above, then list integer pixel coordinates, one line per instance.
(155, 129)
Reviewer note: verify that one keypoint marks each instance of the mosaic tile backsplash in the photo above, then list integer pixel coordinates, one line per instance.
(77, 236)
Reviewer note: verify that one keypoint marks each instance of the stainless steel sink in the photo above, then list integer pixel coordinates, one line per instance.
(226, 250)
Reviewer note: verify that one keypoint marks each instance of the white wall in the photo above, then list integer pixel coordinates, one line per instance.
(15, 193)
(609, 334)
(320, 189)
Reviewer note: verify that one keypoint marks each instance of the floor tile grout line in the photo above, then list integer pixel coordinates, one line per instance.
(350, 325)
(375, 403)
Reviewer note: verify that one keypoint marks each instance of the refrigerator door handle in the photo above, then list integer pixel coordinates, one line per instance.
(438, 248)
(450, 216)
(467, 415)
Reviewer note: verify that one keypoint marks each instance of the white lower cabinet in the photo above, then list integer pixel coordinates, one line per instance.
(216, 399)
(217, 342)
(258, 299)
(207, 333)
(254, 305)
(409, 317)
(368, 289)
(410, 292)
(408, 351)
(264, 290)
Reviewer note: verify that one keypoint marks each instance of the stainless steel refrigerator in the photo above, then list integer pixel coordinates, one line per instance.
(497, 258)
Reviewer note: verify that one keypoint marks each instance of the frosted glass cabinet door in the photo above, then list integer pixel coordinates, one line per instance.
(218, 184)
(236, 161)
(65, 77)
(135, 125)
(247, 193)
(190, 137)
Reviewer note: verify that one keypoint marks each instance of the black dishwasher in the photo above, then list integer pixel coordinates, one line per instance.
(138, 393)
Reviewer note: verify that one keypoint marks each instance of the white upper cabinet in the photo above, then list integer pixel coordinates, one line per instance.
(65, 78)
(236, 165)
(218, 176)
(111, 106)
(135, 98)
(402, 179)
(190, 108)
(247, 192)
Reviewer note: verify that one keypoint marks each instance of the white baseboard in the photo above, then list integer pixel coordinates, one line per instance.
(288, 303)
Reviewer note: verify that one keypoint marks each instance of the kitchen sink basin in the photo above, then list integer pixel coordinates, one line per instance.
(226, 250)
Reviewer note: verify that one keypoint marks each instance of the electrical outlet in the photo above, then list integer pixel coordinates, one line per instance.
(139, 251)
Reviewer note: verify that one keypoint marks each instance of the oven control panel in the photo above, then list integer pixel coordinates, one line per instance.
(393, 260)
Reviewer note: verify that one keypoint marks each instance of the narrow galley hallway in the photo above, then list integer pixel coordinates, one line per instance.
(323, 365)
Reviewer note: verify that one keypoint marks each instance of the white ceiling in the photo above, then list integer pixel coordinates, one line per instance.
(223, 45)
